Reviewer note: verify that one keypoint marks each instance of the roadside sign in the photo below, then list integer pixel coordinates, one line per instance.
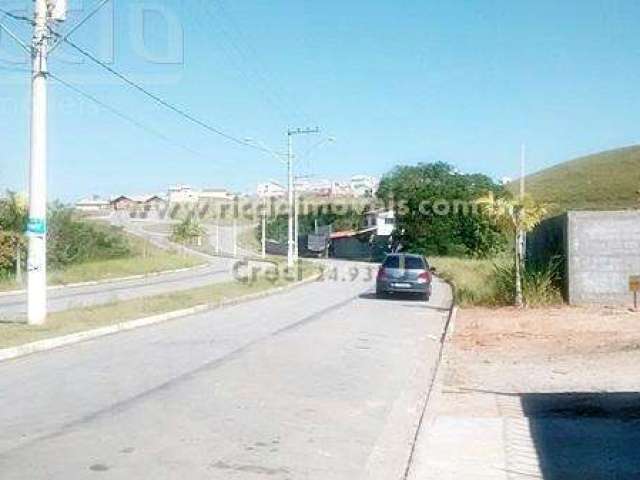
(317, 243)
(36, 227)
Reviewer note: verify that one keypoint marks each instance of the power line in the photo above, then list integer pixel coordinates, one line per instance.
(11, 67)
(71, 31)
(15, 37)
(65, 39)
(159, 100)
(22, 18)
(120, 114)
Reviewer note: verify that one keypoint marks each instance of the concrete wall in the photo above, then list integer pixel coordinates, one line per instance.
(598, 250)
(603, 251)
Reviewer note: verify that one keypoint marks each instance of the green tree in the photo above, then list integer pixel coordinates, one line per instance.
(13, 221)
(436, 213)
(515, 217)
(188, 231)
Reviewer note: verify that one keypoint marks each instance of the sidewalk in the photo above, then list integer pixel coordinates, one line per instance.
(537, 394)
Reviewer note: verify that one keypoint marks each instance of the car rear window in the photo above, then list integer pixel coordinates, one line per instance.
(392, 262)
(414, 263)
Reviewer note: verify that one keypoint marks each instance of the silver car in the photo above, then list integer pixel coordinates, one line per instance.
(404, 273)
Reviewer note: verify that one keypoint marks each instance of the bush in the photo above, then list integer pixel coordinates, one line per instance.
(492, 282)
(71, 241)
(188, 231)
(541, 284)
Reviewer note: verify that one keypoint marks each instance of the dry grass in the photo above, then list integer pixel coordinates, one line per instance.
(82, 319)
(146, 259)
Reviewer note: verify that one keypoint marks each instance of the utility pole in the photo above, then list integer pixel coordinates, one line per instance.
(292, 243)
(296, 225)
(264, 228)
(218, 238)
(520, 233)
(45, 11)
(235, 238)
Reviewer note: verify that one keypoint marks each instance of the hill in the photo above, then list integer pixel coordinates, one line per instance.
(605, 181)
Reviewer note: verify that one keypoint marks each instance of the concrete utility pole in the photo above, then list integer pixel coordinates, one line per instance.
(44, 12)
(217, 238)
(264, 229)
(290, 199)
(521, 237)
(296, 225)
(292, 243)
(234, 232)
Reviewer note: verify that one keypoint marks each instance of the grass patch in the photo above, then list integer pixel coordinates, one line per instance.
(146, 259)
(491, 282)
(473, 278)
(248, 239)
(82, 319)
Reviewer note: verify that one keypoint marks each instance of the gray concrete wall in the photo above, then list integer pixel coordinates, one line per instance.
(603, 250)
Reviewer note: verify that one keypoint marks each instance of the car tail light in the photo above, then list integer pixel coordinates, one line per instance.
(381, 273)
(424, 277)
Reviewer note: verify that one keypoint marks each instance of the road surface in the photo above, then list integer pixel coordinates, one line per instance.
(218, 270)
(321, 382)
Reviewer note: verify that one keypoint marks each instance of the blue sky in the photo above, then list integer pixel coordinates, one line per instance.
(395, 82)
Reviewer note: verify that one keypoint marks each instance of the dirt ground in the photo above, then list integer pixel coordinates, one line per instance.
(550, 394)
(590, 348)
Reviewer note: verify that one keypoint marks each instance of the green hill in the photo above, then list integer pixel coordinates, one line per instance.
(605, 181)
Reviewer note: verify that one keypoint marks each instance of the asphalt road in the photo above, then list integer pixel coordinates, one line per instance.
(218, 270)
(321, 382)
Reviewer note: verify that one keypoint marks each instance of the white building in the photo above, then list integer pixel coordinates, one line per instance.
(364, 185)
(383, 220)
(271, 189)
(93, 204)
(182, 194)
(341, 189)
(215, 194)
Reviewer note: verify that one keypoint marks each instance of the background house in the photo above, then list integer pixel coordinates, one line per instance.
(93, 204)
(182, 194)
(138, 203)
(271, 189)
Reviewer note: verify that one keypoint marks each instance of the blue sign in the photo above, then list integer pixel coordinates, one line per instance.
(37, 226)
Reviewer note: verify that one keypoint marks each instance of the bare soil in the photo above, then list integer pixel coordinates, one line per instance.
(555, 349)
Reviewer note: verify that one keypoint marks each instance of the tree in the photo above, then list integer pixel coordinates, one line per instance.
(188, 231)
(435, 210)
(515, 217)
(13, 222)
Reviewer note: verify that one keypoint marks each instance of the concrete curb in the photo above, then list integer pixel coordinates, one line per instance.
(107, 280)
(436, 379)
(57, 342)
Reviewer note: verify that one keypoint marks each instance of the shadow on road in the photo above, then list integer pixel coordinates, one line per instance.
(411, 300)
(393, 297)
(585, 436)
